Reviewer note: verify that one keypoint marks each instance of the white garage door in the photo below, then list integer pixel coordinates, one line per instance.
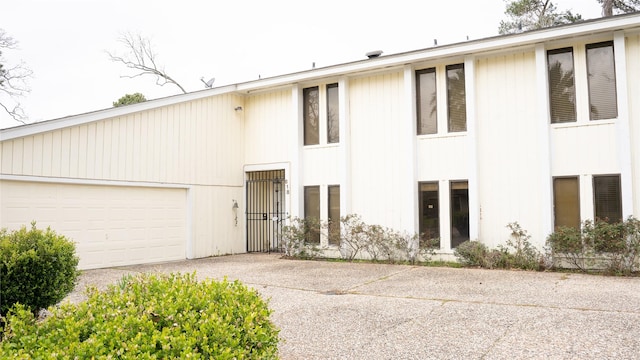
(111, 225)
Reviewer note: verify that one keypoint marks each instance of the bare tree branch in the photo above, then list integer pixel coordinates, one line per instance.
(142, 58)
(13, 81)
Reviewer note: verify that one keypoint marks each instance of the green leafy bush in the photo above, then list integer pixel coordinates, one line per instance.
(614, 247)
(355, 239)
(474, 253)
(37, 268)
(149, 317)
(518, 252)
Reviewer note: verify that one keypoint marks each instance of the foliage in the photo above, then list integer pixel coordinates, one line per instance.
(612, 246)
(474, 253)
(355, 239)
(568, 241)
(518, 252)
(38, 268)
(149, 317)
(129, 99)
(295, 235)
(13, 81)
(524, 15)
(610, 7)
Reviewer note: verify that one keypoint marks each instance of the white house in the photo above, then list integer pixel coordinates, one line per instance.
(542, 128)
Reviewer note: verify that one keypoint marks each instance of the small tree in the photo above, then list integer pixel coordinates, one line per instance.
(129, 99)
(526, 15)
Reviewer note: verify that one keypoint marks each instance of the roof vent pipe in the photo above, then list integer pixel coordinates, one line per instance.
(374, 54)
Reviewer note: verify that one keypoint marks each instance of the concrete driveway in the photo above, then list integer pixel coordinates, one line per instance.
(335, 310)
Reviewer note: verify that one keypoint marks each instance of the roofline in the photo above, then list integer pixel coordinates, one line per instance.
(627, 22)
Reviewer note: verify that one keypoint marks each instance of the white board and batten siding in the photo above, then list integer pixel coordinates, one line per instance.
(633, 85)
(379, 159)
(509, 146)
(164, 155)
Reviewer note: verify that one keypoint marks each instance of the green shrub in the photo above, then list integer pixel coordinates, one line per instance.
(149, 317)
(568, 243)
(37, 268)
(519, 252)
(474, 253)
(614, 247)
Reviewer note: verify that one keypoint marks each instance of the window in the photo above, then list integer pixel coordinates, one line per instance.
(320, 111)
(427, 101)
(607, 198)
(312, 212)
(429, 211)
(311, 115)
(566, 202)
(456, 98)
(562, 92)
(334, 214)
(601, 74)
(459, 212)
(333, 114)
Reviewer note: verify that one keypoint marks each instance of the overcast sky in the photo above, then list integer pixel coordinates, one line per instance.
(64, 42)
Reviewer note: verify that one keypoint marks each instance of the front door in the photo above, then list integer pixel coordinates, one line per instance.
(266, 210)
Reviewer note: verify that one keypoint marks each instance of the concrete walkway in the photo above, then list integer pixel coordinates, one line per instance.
(334, 310)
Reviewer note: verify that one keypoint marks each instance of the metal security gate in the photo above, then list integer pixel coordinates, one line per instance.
(265, 210)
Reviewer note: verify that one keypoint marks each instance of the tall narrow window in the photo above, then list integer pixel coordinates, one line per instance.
(562, 91)
(429, 210)
(566, 202)
(427, 101)
(311, 116)
(601, 73)
(456, 98)
(459, 212)
(333, 115)
(312, 213)
(334, 214)
(607, 198)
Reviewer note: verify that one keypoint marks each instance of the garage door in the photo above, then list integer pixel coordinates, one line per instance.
(111, 225)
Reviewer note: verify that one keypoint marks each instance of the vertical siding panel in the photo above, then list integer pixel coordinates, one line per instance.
(65, 152)
(92, 148)
(137, 140)
(74, 151)
(82, 151)
(38, 154)
(116, 144)
(150, 153)
(102, 149)
(27, 158)
(56, 153)
(144, 147)
(126, 149)
(161, 163)
(7, 156)
(47, 153)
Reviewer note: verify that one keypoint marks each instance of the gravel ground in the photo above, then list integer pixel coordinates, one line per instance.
(335, 310)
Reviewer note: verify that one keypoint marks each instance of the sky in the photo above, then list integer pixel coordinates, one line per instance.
(64, 42)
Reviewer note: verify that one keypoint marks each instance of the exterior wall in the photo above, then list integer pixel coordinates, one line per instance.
(633, 74)
(193, 143)
(508, 146)
(378, 159)
(267, 119)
